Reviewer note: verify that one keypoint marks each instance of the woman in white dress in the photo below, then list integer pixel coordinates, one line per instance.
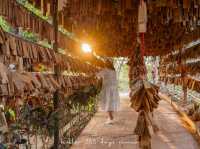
(109, 96)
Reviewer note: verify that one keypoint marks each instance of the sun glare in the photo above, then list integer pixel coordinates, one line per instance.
(86, 48)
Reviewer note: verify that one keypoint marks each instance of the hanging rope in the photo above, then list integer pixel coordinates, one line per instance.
(142, 45)
(142, 25)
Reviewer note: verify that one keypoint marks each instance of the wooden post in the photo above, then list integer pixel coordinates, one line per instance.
(63, 19)
(165, 76)
(184, 81)
(56, 120)
(185, 94)
(57, 73)
(183, 76)
(55, 24)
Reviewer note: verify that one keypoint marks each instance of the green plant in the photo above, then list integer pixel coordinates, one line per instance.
(39, 13)
(29, 36)
(4, 25)
(82, 96)
(31, 8)
(39, 119)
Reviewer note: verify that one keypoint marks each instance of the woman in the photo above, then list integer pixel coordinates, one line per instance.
(109, 96)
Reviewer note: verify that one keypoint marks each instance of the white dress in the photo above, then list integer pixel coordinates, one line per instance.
(109, 96)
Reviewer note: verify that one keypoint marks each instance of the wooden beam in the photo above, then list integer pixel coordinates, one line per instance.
(57, 73)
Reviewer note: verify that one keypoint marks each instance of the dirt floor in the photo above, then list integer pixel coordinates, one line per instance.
(172, 134)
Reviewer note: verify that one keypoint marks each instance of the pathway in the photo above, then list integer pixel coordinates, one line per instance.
(172, 134)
